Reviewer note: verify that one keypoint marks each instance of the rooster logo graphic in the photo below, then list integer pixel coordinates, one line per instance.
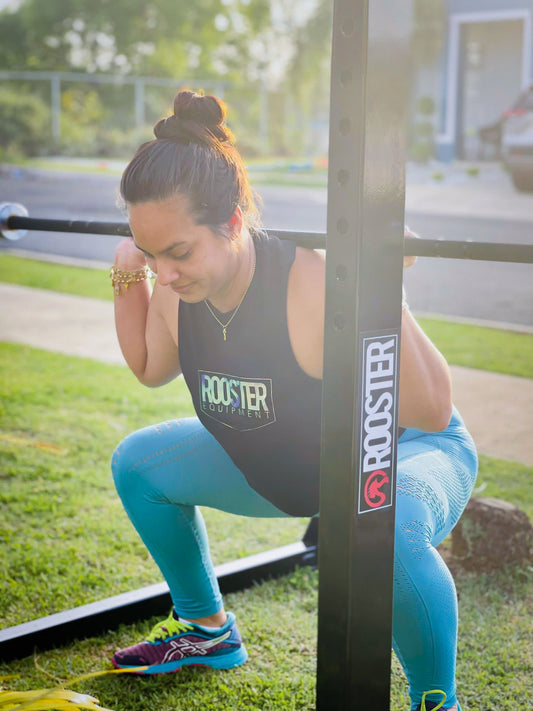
(374, 496)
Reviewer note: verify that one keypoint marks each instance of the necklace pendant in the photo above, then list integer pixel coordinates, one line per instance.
(224, 332)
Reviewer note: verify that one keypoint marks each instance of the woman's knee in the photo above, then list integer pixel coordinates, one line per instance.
(151, 461)
(126, 461)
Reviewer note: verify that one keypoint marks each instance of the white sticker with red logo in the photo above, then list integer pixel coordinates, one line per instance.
(377, 463)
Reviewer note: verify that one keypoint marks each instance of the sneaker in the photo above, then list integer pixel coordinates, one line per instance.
(173, 644)
(434, 705)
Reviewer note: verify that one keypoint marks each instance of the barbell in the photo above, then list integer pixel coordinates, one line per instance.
(15, 223)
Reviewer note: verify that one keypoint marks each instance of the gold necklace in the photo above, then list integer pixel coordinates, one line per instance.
(225, 325)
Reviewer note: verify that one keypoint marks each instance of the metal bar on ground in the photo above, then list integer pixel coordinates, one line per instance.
(366, 198)
(97, 617)
(419, 247)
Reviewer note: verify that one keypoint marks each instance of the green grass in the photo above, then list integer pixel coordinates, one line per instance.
(66, 540)
(60, 420)
(101, 166)
(301, 178)
(269, 171)
(94, 283)
(472, 346)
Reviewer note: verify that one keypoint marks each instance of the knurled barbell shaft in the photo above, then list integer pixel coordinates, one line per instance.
(413, 246)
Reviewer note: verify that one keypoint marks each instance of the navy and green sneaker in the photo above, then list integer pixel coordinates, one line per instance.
(173, 644)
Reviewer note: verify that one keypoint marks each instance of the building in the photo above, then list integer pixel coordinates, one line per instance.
(487, 59)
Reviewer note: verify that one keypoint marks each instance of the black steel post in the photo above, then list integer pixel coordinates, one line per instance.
(362, 337)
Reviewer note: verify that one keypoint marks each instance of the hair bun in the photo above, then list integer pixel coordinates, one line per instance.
(205, 110)
(196, 119)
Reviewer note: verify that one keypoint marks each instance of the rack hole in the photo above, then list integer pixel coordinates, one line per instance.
(345, 77)
(347, 27)
(342, 225)
(343, 176)
(339, 322)
(345, 126)
(341, 273)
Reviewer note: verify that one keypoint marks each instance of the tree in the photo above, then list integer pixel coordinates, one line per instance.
(163, 37)
(24, 119)
(308, 75)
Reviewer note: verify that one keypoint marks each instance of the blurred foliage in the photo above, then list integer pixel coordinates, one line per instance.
(426, 106)
(270, 57)
(24, 119)
(208, 44)
(162, 37)
(427, 46)
(308, 75)
(82, 112)
(92, 127)
(421, 136)
(429, 31)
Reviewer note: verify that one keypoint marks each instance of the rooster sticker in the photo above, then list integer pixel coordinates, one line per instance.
(374, 496)
(378, 422)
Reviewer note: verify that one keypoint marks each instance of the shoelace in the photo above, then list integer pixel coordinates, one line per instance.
(167, 628)
(432, 691)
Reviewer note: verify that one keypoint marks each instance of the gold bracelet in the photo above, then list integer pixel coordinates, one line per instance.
(122, 276)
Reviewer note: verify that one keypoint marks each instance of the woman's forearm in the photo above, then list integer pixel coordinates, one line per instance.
(131, 313)
(131, 307)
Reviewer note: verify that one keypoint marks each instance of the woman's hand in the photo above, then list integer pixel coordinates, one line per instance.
(128, 257)
(146, 321)
(408, 261)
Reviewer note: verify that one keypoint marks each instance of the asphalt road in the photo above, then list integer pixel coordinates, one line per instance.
(486, 291)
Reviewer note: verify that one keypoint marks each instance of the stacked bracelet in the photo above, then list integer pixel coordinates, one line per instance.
(122, 276)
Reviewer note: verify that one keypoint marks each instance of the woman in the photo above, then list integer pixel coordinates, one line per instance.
(241, 316)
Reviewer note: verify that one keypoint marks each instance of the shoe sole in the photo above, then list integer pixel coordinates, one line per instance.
(224, 661)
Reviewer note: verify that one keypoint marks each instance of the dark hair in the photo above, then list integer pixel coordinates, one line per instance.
(193, 155)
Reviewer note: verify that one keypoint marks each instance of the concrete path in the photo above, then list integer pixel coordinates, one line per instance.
(498, 409)
(73, 325)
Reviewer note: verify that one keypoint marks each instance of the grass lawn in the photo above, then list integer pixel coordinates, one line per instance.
(276, 171)
(66, 541)
(462, 344)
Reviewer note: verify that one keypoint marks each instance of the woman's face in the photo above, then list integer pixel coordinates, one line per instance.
(190, 259)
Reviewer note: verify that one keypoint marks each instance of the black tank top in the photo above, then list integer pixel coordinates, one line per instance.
(250, 392)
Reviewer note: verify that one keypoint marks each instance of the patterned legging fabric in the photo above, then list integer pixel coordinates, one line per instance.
(163, 473)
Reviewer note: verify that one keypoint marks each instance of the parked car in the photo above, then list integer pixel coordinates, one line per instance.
(490, 141)
(517, 141)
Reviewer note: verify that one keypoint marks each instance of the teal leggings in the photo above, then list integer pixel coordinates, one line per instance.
(163, 473)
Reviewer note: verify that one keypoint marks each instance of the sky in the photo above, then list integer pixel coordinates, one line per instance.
(5, 3)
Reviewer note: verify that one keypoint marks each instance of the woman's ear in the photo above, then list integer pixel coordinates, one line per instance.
(235, 223)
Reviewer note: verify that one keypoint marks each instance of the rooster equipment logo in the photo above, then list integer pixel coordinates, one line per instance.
(378, 422)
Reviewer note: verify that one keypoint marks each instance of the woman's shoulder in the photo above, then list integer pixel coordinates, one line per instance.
(308, 271)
